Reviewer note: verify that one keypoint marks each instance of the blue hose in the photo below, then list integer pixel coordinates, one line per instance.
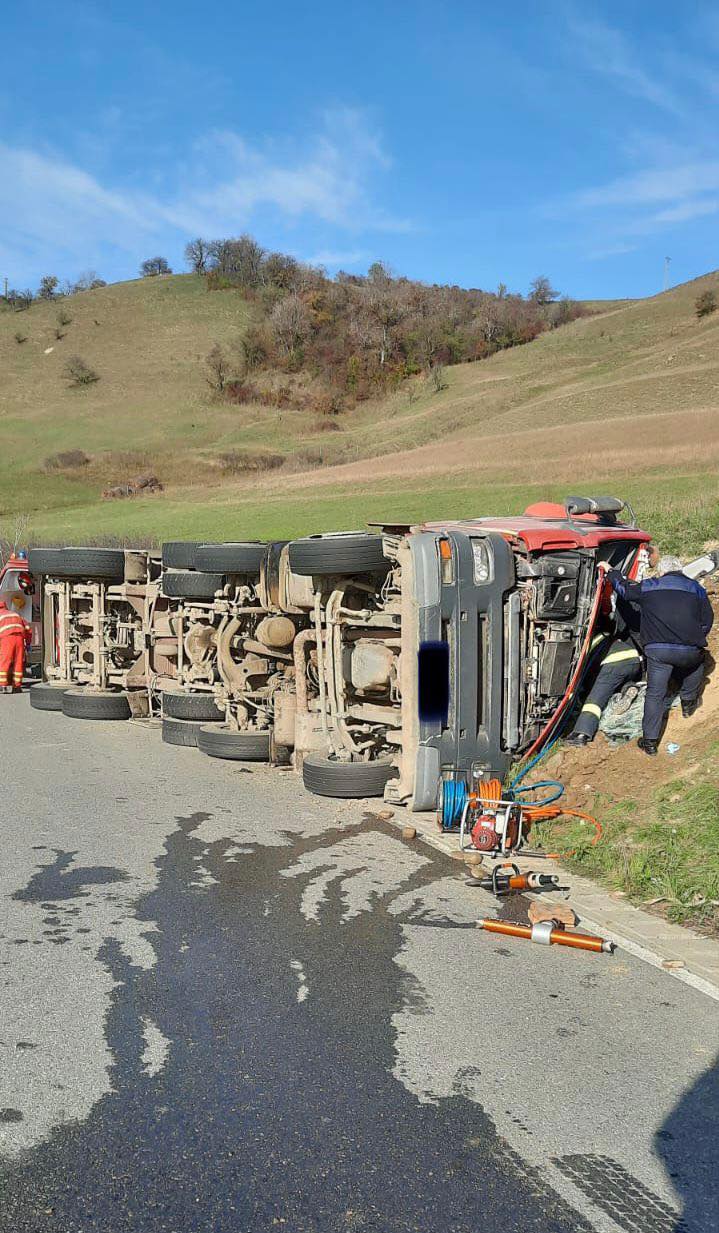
(454, 799)
(534, 787)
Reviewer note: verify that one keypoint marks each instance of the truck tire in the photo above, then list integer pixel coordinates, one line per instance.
(105, 563)
(219, 741)
(351, 552)
(328, 777)
(190, 584)
(47, 696)
(201, 707)
(179, 554)
(43, 560)
(180, 731)
(95, 704)
(239, 558)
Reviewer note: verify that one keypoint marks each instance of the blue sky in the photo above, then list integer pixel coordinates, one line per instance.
(460, 142)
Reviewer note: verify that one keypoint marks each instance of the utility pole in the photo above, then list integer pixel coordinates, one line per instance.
(666, 273)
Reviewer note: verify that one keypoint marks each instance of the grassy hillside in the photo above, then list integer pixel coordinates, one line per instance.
(626, 399)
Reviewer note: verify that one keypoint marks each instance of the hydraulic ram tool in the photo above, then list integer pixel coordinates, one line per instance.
(546, 932)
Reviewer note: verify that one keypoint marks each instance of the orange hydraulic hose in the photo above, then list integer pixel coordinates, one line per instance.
(488, 790)
(575, 675)
(560, 937)
(547, 813)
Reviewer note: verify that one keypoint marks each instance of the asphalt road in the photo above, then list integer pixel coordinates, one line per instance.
(229, 1006)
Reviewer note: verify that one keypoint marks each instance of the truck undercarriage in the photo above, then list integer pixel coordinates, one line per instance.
(375, 662)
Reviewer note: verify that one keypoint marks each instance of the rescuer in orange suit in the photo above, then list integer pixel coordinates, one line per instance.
(15, 637)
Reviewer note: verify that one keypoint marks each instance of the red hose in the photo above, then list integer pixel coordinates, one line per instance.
(575, 675)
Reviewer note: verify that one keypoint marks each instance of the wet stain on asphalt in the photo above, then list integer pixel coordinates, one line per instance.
(10, 1115)
(63, 880)
(266, 1111)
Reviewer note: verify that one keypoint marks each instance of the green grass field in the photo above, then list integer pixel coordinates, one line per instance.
(681, 511)
(625, 400)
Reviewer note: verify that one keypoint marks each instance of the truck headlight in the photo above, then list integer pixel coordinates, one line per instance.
(482, 561)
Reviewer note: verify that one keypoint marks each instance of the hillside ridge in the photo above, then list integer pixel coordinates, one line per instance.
(626, 392)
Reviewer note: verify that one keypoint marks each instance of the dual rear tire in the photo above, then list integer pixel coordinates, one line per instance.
(79, 703)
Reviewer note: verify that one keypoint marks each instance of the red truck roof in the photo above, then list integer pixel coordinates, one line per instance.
(546, 527)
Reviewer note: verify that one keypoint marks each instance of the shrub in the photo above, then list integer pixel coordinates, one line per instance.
(217, 369)
(59, 334)
(66, 459)
(20, 337)
(79, 373)
(329, 403)
(238, 462)
(257, 346)
(705, 304)
(309, 458)
(63, 318)
(327, 425)
(241, 392)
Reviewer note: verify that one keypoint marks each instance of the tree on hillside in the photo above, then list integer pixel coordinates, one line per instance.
(705, 304)
(282, 271)
(379, 273)
(20, 300)
(88, 281)
(291, 323)
(197, 253)
(217, 369)
(48, 287)
(240, 259)
(541, 290)
(154, 266)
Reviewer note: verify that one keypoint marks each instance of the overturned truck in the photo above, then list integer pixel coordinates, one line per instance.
(377, 663)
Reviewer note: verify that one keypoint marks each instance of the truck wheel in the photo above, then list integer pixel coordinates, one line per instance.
(95, 704)
(47, 696)
(351, 552)
(105, 563)
(240, 558)
(180, 705)
(43, 561)
(328, 777)
(219, 741)
(180, 731)
(179, 554)
(191, 584)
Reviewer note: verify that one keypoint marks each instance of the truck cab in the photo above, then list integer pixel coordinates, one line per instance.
(451, 654)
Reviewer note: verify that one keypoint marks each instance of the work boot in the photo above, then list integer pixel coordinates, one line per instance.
(688, 708)
(648, 747)
(579, 739)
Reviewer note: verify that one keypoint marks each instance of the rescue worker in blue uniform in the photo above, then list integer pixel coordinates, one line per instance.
(675, 617)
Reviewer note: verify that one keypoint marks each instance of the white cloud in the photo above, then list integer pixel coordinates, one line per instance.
(686, 212)
(54, 214)
(606, 51)
(673, 175)
(338, 259)
(654, 185)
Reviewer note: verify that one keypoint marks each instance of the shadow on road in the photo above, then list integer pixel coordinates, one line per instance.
(268, 1111)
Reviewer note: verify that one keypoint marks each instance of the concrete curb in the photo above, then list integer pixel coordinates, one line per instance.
(650, 938)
